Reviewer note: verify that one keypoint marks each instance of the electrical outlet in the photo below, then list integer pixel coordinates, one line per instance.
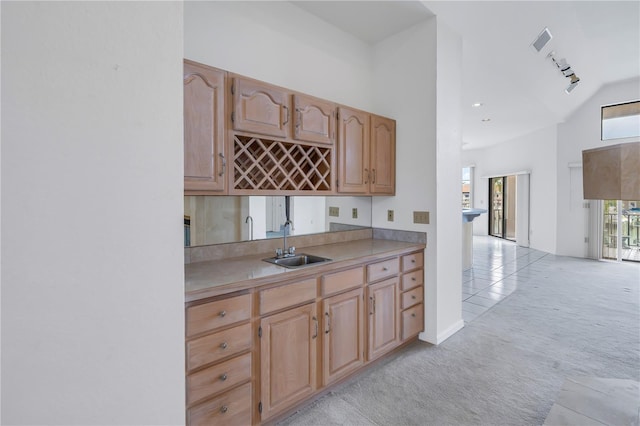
(421, 217)
(390, 215)
(334, 211)
(354, 213)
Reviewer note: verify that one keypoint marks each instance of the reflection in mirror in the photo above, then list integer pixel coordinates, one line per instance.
(224, 219)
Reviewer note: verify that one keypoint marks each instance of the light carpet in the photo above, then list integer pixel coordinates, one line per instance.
(576, 317)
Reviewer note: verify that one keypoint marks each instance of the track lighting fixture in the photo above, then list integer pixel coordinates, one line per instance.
(566, 70)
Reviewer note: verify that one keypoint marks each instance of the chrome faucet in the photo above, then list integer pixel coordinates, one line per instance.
(251, 226)
(287, 251)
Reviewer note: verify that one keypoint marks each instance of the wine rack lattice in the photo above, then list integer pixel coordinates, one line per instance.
(264, 164)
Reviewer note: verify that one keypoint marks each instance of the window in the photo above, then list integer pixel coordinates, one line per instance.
(466, 188)
(621, 121)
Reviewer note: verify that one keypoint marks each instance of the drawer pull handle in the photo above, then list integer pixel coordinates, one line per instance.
(413, 297)
(224, 409)
(223, 377)
(413, 315)
(223, 314)
(224, 345)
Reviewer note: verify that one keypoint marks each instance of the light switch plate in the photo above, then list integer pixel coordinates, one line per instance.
(334, 211)
(421, 217)
(354, 213)
(390, 215)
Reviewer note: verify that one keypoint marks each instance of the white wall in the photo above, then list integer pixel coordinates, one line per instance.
(535, 152)
(449, 169)
(425, 102)
(92, 259)
(582, 131)
(280, 43)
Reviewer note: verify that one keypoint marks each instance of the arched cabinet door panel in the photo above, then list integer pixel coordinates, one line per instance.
(204, 153)
(314, 119)
(260, 108)
(353, 151)
(383, 152)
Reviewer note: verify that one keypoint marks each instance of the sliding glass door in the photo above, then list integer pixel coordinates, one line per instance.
(502, 216)
(621, 230)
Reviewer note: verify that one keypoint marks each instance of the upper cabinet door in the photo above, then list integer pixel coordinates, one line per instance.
(314, 119)
(204, 156)
(383, 153)
(260, 108)
(353, 151)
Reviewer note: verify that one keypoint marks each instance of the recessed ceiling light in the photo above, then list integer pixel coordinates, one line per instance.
(486, 119)
(477, 104)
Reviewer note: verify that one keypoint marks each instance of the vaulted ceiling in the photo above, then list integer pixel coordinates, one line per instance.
(520, 89)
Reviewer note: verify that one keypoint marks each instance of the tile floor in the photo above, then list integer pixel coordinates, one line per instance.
(499, 268)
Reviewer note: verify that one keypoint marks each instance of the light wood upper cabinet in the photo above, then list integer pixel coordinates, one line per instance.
(384, 330)
(288, 358)
(353, 151)
(366, 153)
(343, 331)
(314, 119)
(204, 154)
(260, 108)
(383, 155)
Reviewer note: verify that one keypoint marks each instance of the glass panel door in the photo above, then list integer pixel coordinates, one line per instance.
(621, 228)
(496, 219)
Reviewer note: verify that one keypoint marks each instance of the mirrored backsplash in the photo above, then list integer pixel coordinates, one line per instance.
(226, 219)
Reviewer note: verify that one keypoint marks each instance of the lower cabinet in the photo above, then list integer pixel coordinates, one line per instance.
(343, 335)
(231, 408)
(384, 332)
(253, 355)
(287, 358)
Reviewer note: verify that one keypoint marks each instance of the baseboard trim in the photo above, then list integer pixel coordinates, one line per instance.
(455, 327)
(444, 335)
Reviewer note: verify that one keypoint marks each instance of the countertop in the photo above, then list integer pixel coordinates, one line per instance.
(212, 278)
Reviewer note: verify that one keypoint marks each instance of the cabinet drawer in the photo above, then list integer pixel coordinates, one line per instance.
(218, 314)
(344, 280)
(230, 409)
(412, 261)
(207, 349)
(412, 321)
(287, 295)
(411, 297)
(384, 269)
(218, 378)
(412, 279)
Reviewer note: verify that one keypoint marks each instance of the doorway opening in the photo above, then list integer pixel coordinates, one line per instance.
(502, 215)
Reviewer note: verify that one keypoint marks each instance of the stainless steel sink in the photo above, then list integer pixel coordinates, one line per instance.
(297, 261)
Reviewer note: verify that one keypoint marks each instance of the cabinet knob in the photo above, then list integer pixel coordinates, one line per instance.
(224, 409)
(413, 261)
(413, 278)
(223, 377)
(413, 297)
(413, 315)
(384, 268)
(224, 345)
(223, 313)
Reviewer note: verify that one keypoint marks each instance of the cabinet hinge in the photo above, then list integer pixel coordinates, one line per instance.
(260, 407)
(260, 331)
(233, 117)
